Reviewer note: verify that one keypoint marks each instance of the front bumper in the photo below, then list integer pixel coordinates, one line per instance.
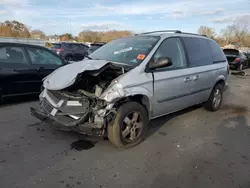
(67, 114)
(85, 128)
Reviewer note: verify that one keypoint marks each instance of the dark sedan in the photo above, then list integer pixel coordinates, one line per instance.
(23, 66)
(236, 59)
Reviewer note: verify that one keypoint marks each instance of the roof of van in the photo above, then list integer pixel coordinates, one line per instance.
(167, 33)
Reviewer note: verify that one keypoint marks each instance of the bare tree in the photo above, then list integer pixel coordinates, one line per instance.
(241, 29)
(208, 31)
(37, 34)
(227, 33)
(95, 36)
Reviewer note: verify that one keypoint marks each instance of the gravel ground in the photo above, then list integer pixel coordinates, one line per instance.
(191, 149)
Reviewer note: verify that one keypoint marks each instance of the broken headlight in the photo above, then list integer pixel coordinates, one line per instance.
(115, 90)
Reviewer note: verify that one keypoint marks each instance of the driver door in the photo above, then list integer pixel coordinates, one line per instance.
(172, 85)
(44, 61)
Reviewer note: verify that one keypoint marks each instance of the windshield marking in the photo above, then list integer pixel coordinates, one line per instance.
(123, 50)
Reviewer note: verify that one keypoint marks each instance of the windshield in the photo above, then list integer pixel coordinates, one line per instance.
(231, 52)
(130, 50)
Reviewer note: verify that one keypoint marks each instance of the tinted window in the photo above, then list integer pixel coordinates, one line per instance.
(217, 53)
(84, 47)
(198, 51)
(173, 49)
(12, 55)
(68, 45)
(93, 48)
(41, 56)
(231, 52)
(79, 46)
(56, 46)
(242, 56)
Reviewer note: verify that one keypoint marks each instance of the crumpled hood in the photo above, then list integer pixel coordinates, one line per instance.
(65, 76)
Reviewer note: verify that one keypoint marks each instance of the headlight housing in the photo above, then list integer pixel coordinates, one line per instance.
(115, 90)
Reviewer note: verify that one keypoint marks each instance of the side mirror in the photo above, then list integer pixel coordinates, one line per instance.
(160, 63)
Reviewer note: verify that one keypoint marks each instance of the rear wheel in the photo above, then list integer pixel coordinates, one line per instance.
(69, 58)
(1, 96)
(129, 126)
(215, 99)
(240, 68)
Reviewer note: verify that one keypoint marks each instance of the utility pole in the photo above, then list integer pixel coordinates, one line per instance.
(70, 25)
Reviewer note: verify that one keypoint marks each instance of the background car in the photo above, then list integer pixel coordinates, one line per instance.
(247, 54)
(23, 66)
(95, 46)
(236, 59)
(70, 51)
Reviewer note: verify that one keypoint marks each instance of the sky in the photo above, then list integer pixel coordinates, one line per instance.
(73, 16)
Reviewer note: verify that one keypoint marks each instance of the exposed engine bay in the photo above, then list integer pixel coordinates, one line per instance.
(96, 81)
(80, 105)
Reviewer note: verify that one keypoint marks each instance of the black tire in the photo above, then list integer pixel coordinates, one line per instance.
(1, 99)
(209, 105)
(69, 58)
(240, 68)
(116, 127)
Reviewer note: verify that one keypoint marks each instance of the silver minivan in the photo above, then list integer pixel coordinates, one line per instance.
(124, 84)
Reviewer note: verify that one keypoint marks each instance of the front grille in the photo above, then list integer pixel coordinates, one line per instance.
(53, 95)
(46, 105)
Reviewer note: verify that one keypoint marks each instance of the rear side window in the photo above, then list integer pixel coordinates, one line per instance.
(12, 55)
(242, 56)
(69, 46)
(84, 47)
(198, 51)
(217, 53)
(41, 56)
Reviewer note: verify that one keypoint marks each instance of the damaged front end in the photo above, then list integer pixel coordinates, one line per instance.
(85, 106)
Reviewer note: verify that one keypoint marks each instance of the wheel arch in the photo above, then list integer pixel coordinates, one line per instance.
(68, 54)
(139, 98)
(220, 80)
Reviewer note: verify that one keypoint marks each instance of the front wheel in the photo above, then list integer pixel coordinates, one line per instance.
(129, 126)
(215, 99)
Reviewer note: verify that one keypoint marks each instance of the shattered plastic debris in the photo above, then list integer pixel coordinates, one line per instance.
(240, 73)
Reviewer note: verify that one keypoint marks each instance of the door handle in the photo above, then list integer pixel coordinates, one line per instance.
(187, 79)
(195, 77)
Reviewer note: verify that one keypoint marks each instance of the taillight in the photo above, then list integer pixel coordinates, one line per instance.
(59, 50)
(237, 60)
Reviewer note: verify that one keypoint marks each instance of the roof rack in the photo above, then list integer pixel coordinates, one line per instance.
(161, 31)
(171, 31)
(98, 43)
(194, 34)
